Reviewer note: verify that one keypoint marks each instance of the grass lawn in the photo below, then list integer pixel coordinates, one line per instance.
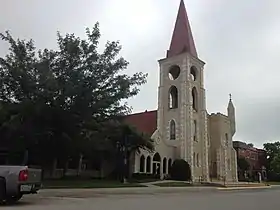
(83, 184)
(272, 183)
(174, 184)
(143, 180)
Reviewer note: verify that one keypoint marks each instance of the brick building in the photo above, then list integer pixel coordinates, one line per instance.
(254, 156)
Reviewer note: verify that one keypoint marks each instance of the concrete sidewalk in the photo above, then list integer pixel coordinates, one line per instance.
(217, 184)
(118, 191)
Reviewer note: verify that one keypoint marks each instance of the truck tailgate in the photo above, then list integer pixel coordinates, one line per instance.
(34, 175)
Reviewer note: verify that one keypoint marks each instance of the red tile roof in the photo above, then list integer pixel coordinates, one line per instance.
(182, 38)
(145, 122)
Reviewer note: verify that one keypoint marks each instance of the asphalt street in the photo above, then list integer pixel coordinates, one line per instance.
(230, 200)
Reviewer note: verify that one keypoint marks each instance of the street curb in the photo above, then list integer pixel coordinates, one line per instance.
(84, 193)
(244, 188)
(121, 191)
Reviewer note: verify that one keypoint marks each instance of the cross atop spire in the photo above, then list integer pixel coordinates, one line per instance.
(230, 104)
(182, 38)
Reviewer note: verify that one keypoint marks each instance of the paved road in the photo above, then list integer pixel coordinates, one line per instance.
(229, 200)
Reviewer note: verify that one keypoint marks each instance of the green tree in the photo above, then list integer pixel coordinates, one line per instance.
(243, 164)
(273, 159)
(251, 145)
(119, 141)
(56, 94)
(125, 135)
(272, 150)
(275, 164)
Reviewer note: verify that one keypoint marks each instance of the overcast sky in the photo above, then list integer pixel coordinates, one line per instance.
(239, 41)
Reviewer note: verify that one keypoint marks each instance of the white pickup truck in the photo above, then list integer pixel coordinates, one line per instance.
(16, 181)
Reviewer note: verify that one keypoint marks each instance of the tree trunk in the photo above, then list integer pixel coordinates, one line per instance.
(54, 166)
(80, 165)
(65, 169)
(131, 161)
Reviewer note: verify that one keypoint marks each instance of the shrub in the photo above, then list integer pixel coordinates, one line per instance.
(180, 170)
(273, 177)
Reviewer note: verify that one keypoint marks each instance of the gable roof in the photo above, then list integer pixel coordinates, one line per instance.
(145, 122)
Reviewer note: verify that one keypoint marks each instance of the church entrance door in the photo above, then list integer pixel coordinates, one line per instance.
(156, 164)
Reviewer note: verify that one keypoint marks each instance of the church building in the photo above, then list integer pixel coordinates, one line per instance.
(181, 126)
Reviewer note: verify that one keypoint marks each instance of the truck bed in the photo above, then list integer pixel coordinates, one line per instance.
(31, 184)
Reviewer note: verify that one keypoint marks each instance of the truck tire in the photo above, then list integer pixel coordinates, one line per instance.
(13, 199)
(2, 190)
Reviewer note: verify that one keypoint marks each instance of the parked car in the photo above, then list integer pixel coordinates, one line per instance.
(16, 181)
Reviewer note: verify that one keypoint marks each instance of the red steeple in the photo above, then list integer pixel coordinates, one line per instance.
(182, 39)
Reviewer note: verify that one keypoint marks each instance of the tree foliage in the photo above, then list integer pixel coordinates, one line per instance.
(119, 141)
(55, 102)
(273, 157)
(243, 164)
(113, 136)
(251, 145)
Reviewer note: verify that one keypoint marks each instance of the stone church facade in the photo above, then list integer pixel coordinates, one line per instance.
(181, 126)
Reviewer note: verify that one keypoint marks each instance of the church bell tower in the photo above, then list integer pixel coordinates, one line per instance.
(182, 115)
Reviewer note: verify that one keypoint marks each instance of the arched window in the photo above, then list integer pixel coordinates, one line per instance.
(172, 130)
(227, 141)
(194, 162)
(197, 160)
(142, 163)
(173, 97)
(229, 164)
(164, 165)
(194, 130)
(174, 72)
(157, 157)
(193, 73)
(169, 165)
(156, 163)
(148, 164)
(194, 99)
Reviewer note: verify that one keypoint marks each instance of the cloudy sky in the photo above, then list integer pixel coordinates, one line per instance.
(239, 41)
